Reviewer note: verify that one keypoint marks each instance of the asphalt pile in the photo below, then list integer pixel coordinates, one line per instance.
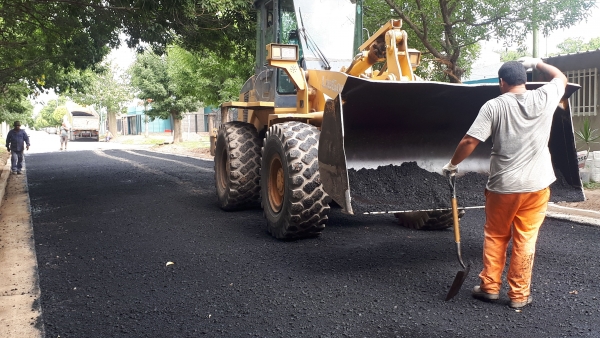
(410, 187)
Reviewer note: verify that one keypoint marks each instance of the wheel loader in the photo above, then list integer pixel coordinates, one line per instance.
(321, 106)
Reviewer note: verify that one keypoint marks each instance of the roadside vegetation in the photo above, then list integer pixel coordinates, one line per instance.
(448, 32)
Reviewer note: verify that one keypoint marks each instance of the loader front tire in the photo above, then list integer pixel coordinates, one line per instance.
(237, 166)
(428, 220)
(292, 197)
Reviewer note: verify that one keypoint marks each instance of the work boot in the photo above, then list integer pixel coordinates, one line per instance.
(477, 293)
(19, 172)
(518, 305)
(14, 171)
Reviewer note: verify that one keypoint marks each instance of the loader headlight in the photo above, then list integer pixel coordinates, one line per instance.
(282, 52)
(414, 57)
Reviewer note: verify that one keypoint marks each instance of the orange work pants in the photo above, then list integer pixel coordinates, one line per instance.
(517, 216)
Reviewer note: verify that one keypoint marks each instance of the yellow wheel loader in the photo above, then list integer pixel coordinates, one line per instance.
(313, 119)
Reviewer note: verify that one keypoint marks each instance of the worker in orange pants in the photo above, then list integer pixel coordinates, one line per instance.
(519, 123)
(518, 216)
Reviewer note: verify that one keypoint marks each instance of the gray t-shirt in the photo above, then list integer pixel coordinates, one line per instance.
(519, 125)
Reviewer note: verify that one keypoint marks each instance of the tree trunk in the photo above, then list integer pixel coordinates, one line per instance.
(112, 122)
(177, 136)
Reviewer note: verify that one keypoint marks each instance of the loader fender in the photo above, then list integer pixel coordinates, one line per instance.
(292, 197)
(237, 166)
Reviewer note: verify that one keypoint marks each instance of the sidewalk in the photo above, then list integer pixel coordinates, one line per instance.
(20, 307)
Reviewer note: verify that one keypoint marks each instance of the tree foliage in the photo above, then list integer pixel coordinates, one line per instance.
(43, 42)
(513, 55)
(15, 105)
(51, 114)
(448, 31)
(211, 78)
(150, 75)
(41, 39)
(574, 45)
(108, 90)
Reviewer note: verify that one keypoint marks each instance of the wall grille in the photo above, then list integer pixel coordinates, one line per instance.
(584, 102)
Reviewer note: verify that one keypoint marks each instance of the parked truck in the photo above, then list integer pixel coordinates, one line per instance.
(313, 115)
(84, 122)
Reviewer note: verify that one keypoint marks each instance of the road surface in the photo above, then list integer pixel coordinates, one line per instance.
(108, 223)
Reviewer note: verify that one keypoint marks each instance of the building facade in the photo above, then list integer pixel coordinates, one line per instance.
(582, 68)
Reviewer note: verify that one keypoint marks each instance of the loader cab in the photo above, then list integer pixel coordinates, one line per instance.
(323, 31)
(276, 24)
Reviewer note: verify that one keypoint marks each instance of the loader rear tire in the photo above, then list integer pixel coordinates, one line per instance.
(428, 220)
(292, 197)
(237, 166)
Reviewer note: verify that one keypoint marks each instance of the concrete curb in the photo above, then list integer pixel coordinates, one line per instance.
(4, 179)
(581, 216)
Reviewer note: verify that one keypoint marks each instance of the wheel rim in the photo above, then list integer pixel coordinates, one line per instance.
(223, 169)
(276, 185)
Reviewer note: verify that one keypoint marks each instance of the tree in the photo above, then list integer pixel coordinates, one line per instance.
(44, 41)
(52, 113)
(513, 55)
(150, 76)
(574, 45)
(15, 106)
(81, 32)
(209, 77)
(448, 31)
(106, 90)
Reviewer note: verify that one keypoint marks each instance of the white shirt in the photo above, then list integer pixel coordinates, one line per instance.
(519, 125)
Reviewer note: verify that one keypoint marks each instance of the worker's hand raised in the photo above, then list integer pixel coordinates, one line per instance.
(529, 62)
(450, 169)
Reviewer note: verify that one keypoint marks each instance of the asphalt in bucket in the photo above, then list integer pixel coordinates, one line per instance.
(410, 187)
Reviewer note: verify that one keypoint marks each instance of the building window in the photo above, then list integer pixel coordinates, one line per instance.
(584, 102)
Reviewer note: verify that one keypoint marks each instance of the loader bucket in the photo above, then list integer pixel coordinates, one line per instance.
(383, 145)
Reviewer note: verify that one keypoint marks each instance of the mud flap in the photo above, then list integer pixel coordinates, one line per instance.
(374, 124)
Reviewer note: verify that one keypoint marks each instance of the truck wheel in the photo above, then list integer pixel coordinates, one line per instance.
(428, 220)
(237, 166)
(292, 196)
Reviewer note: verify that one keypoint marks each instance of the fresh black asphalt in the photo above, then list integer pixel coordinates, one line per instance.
(106, 224)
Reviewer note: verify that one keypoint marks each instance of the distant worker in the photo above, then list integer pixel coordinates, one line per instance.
(64, 136)
(15, 144)
(109, 135)
(517, 191)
